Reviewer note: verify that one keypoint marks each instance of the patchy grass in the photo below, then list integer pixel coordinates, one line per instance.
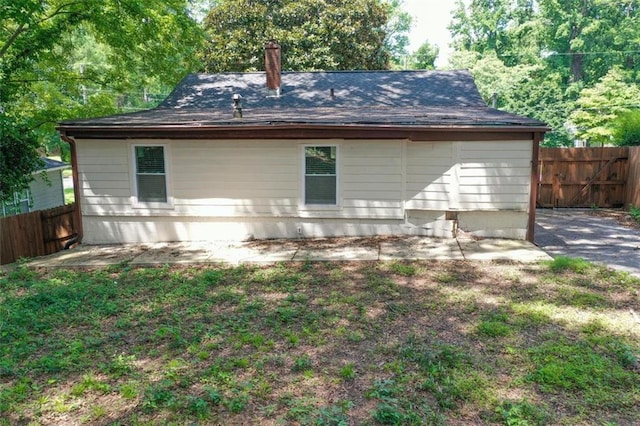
(321, 343)
(69, 197)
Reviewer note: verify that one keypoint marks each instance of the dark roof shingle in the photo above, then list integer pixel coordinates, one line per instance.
(374, 98)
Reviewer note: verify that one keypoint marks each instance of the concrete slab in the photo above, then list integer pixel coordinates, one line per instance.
(337, 254)
(271, 251)
(267, 251)
(90, 256)
(497, 249)
(173, 253)
(417, 248)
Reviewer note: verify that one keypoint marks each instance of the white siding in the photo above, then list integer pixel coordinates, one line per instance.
(234, 178)
(430, 176)
(494, 175)
(371, 179)
(248, 188)
(47, 194)
(468, 176)
(104, 177)
(244, 178)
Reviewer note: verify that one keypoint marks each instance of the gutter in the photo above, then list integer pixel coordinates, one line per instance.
(533, 194)
(76, 189)
(300, 130)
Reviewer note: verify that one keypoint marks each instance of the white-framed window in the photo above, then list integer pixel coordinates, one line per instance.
(321, 175)
(22, 203)
(150, 168)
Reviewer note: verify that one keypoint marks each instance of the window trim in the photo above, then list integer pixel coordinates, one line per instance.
(15, 207)
(321, 207)
(136, 203)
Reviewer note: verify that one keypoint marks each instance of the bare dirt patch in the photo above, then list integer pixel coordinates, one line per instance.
(427, 342)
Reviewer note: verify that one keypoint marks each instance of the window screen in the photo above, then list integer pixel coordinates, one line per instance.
(150, 174)
(320, 175)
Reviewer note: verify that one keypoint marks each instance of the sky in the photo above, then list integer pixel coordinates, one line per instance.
(430, 21)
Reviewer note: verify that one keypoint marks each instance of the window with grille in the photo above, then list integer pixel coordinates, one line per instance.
(320, 175)
(151, 178)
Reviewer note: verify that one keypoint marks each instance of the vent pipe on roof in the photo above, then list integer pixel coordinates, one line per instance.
(272, 67)
(237, 106)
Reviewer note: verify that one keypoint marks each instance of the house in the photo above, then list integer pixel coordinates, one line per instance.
(308, 154)
(45, 191)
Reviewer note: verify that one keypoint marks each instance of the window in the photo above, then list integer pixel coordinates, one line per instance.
(151, 178)
(21, 203)
(320, 178)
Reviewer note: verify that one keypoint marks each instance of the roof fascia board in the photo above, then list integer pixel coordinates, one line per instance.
(414, 133)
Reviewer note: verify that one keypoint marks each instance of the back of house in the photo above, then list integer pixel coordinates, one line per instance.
(308, 154)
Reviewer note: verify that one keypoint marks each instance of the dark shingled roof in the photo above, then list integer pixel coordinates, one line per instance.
(374, 98)
(354, 89)
(50, 163)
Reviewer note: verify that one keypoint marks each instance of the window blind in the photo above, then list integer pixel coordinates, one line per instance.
(320, 175)
(150, 174)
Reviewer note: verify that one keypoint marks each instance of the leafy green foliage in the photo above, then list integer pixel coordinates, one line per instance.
(599, 106)
(626, 128)
(68, 59)
(19, 157)
(342, 35)
(559, 53)
(396, 30)
(425, 57)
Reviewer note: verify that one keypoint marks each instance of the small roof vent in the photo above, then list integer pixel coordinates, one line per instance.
(237, 106)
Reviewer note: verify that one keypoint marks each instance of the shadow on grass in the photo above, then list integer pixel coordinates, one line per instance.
(324, 343)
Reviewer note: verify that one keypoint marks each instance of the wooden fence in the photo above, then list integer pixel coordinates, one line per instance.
(36, 234)
(583, 177)
(632, 197)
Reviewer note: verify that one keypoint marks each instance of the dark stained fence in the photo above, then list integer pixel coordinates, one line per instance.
(36, 234)
(632, 197)
(583, 177)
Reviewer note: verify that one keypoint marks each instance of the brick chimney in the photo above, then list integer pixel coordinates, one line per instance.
(272, 67)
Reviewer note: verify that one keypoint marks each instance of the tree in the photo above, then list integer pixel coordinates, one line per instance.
(396, 29)
(18, 157)
(526, 89)
(569, 46)
(626, 128)
(313, 34)
(425, 57)
(586, 38)
(599, 106)
(53, 53)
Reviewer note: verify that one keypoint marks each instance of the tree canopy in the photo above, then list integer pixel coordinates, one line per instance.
(66, 58)
(313, 34)
(554, 54)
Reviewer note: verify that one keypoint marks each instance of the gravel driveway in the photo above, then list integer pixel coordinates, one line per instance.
(592, 235)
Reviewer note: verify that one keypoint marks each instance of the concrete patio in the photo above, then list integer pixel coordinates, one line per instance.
(269, 251)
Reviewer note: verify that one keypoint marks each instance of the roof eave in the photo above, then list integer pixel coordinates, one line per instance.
(297, 131)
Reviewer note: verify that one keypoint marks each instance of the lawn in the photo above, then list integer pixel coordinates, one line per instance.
(321, 343)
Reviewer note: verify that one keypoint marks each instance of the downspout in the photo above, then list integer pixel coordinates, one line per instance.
(76, 190)
(533, 197)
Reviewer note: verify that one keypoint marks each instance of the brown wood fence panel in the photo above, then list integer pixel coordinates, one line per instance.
(582, 177)
(35, 234)
(632, 197)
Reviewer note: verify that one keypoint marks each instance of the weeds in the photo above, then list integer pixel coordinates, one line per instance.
(325, 344)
